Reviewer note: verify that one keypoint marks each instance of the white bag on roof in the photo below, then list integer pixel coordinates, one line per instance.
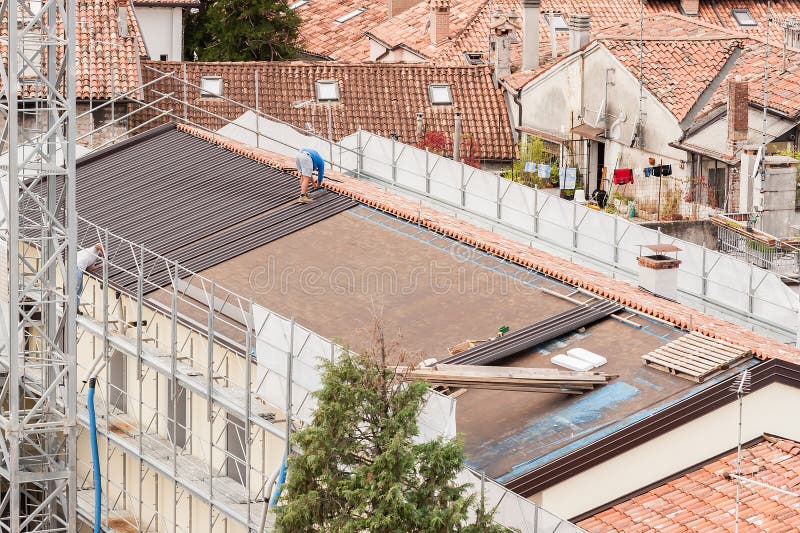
(572, 363)
(585, 355)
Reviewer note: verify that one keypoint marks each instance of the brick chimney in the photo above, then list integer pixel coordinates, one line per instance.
(398, 6)
(531, 9)
(579, 27)
(440, 20)
(690, 7)
(738, 110)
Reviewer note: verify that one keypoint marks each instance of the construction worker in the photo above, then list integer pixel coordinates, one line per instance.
(308, 160)
(88, 260)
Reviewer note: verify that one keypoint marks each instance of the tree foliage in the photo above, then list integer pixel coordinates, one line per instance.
(241, 30)
(361, 468)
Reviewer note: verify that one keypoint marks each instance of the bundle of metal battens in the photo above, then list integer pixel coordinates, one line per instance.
(535, 334)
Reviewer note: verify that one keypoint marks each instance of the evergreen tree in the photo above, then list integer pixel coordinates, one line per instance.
(361, 470)
(241, 30)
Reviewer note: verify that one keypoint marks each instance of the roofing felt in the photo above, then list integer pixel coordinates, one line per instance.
(380, 98)
(187, 199)
(704, 499)
(105, 60)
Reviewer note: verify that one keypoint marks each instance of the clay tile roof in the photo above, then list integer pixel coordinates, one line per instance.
(167, 3)
(381, 98)
(705, 499)
(556, 267)
(101, 52)
(322, 36)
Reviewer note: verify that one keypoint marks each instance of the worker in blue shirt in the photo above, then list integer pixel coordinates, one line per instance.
(308, 160)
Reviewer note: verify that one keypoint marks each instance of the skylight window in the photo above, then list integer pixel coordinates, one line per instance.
(345, 18)
(744, 17)
(326, 90)
(474, 58)
(440, 94)
(299, 3)
(558, 21)
(211, 86)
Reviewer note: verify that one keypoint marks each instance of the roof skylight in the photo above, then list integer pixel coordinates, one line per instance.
(348, 16)
(210, 86)
(440, 94)
(474, 58)
(326, 90)
(744, 17)
(558, 21)
(299, 3)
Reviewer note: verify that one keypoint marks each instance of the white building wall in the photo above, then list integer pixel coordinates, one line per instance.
(162, 29)
(769, 410)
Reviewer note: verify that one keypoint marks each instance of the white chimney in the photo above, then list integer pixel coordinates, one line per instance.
(658, 272)
(504, 29)
(530, 33)
(579, 28)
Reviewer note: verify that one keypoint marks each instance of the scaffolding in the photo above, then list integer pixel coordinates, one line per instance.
(37, 350)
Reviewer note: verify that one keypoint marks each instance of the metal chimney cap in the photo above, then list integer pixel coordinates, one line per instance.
(579, 21)
(531, 3)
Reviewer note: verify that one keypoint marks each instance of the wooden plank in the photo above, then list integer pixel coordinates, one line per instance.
(512, 372)
(700, 358)
(674, 372)
(698, 352)
(700, 336)
(656, 358)
(685, 361)
(710, 345)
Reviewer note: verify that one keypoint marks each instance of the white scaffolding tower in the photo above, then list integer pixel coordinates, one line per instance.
(38, 234)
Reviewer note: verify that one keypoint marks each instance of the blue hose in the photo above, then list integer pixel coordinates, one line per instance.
(279, 485)
(98, 513)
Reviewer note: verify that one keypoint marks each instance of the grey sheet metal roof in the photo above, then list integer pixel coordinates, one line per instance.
(190, 200)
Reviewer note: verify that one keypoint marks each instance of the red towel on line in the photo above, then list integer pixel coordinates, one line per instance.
(623, 176)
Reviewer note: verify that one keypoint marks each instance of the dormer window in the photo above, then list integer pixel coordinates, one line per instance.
(326, 90)
(211, 86)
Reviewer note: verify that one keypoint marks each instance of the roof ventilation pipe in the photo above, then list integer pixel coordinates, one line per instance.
(457, 138)
(531, 10)
(579, 28)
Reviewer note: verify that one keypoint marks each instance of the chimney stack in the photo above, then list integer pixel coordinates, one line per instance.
(690, 7)
(504, 29)
(579, 27)
(440, 20)
(738, 111)
(530, 33)
(792, 35)
(398, 6)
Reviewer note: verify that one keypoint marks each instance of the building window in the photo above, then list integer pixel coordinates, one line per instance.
(355, 13)
(474, 58)
(211, 86)
(326, 90)
(299, 3)
(440, 94)
(744, 18)
(163, 57)
(558, 21)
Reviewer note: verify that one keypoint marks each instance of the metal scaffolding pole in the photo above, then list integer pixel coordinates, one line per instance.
(38, 423)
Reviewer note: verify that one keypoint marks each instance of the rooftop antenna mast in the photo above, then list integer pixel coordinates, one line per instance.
(38, 235)
(762, 170)
(639, 134)
(741, 386)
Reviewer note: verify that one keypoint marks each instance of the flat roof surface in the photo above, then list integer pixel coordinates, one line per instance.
(336, 276)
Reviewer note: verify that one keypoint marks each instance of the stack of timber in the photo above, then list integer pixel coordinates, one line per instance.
(507, 378)
(538, 333)
(696, 357)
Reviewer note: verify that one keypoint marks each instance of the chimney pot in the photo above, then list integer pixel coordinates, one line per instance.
(690, 7)
(579, 29)
(398, 6)
(440, 20)
(738, 111)
(531, 10)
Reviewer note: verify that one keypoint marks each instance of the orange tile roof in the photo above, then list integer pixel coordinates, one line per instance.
(705, 499)
(381, 98)
(321, 35)
(101, 54)
(561, 269)
(167, 3)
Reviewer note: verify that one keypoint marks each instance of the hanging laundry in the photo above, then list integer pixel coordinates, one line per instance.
(530, 166)
(623, 176)
(657, 171)
(571, 178)
(637, 173)
(648, 172)
(544, 170)
(562, 175)
(666, 170)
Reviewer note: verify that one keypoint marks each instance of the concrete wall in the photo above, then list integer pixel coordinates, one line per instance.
(778, 197)
(768, 410)
(162, 29)
(700, 232)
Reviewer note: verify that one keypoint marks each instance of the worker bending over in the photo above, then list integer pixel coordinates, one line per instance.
(88, 260)
(308, 161)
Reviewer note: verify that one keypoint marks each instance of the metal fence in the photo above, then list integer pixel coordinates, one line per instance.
(776, 254)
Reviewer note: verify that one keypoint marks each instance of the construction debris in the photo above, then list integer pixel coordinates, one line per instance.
(507, 378)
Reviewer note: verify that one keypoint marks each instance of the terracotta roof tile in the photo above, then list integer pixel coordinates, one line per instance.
(104, 59)
(705, 499)
(382, 98)
(167, 3)
(543, 262)
(321, 35)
